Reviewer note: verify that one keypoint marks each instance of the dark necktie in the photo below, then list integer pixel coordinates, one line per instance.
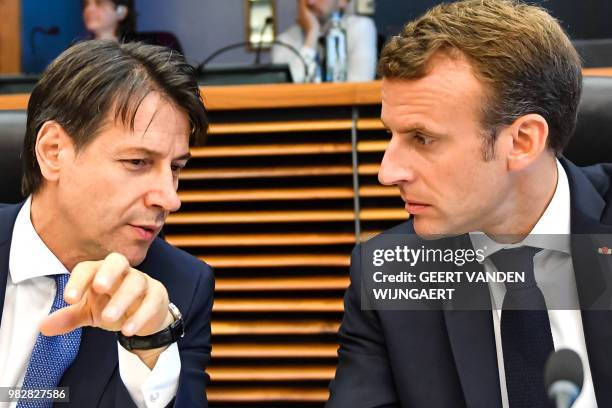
(525, 330)
(51, 356)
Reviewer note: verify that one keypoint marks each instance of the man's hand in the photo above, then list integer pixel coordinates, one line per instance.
(309, 23)
(113, 296)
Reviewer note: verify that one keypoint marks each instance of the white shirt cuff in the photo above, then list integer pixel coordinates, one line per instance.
(150, 388)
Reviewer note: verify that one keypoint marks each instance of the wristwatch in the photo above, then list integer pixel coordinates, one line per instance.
(156, 340)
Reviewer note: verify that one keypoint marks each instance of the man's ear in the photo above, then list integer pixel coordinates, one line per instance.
(53, 146)
(529, 139)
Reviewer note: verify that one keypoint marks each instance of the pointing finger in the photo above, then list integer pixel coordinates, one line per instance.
(80, 280)
(62, 321)
(110, 273)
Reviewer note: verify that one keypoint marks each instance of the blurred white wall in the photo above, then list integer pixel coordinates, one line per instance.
(203, 26)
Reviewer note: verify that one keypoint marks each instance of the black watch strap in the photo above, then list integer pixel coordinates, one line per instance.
(156, 340)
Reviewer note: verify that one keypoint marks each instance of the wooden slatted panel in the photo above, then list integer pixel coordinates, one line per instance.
(280, 283)
(277, 327)
(269, 203)
(285, 150)
(261, 172)
(274, 127)
(246, 394)
(273, 373)
(274, 261)
(261, 239)
(271, 150)
(283, 305)
(279, 194)
(240, 217)
(281, 239)
(275, 350)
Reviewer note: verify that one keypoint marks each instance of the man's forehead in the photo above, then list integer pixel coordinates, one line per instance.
(154, 131)
(448, 80)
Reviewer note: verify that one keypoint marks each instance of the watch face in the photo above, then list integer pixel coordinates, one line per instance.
(176, 313)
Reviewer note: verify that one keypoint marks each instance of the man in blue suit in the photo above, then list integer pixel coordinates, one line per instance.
(480, 98)
(92, 300)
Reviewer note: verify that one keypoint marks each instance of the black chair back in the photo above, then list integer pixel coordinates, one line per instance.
(592, 141)
(595, 52)
(12, 131)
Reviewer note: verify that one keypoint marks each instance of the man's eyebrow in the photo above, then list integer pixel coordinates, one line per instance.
(419, 127)
(185, 157)
(153, 153)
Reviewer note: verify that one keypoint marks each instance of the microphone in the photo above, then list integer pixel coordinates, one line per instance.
(200, 67)
(267, 23)
(53, 30)
(563, 377)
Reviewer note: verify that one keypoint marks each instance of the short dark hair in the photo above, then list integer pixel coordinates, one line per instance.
(518, 51)
(94, 79)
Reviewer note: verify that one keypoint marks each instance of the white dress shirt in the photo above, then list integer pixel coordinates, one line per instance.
(361, 43)
(554, 274)
(28, 299)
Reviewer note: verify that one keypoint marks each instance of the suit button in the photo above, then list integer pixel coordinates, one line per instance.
(153, 397)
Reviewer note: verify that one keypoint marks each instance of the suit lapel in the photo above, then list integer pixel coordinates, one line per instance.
(91, 371)
(592, 273)
(4, 263)
(472, 341)
(597, 324)
(8, 214)
(97, 357)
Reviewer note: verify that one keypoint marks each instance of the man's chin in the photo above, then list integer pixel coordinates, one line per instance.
(135, 254)
(430, 230)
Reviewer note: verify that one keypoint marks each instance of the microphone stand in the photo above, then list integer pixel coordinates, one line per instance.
(202, 65)
(268, 22)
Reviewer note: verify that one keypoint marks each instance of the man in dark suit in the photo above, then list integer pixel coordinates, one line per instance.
(92, 299)
(480, 98)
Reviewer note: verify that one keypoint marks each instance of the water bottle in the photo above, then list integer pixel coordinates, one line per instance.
(335, 57)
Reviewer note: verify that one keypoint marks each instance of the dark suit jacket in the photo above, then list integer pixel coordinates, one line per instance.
(94, 378)
(435, 358)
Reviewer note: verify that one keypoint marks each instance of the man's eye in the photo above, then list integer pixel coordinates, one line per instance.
(135, 163)
(423, 140)
(176, 168)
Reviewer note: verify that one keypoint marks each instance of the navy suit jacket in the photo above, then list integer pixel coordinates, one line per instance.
(93, 377)
(435, 358)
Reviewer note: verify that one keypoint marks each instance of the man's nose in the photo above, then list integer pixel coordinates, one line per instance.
(164, 194)
(395, 166)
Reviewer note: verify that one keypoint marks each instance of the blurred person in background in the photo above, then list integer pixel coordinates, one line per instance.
(313, 21)
(109, 19)
(116, 20)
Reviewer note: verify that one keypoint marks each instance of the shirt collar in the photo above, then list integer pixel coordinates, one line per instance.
(552, 231)
(29, 256)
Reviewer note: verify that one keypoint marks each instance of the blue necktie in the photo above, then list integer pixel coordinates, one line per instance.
(51, 355)
(525, 330)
